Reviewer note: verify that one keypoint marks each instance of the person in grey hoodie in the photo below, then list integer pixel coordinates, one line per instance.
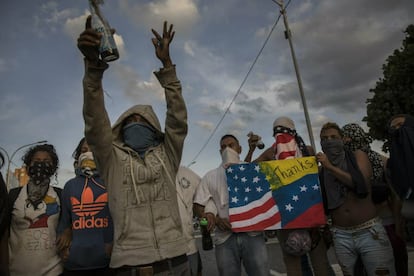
(139, 163)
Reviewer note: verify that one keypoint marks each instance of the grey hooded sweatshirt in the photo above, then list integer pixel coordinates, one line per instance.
(141, 191)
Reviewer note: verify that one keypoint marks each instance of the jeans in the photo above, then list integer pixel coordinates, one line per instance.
(242, 248)
(371, 244)
(195, 263)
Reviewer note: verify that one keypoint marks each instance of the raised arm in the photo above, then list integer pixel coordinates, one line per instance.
(98, 130)
(176, 119)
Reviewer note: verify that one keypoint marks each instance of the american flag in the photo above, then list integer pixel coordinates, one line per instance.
(274, 195)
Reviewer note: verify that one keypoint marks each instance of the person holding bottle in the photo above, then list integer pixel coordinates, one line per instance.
(289, 144)
(139, 162)
(231, 249)
(187, 182)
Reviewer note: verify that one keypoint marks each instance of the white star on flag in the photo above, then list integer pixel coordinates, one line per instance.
(315, 187)
(259, 189)
(295, 198)
(256, 179)
(246, 199)
(303, 188)
(236, 189)
(289, 207)
(230, 170)
(247, 190)
(236, 177)
(234, 199)
(244, 179)
(257, 168)
(241, 168)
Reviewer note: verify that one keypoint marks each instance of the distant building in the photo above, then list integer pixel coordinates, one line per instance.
(21, 175)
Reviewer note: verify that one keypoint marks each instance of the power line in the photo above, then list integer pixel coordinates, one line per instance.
(238, 90)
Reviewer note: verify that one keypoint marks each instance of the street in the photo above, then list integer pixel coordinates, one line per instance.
(277, 266)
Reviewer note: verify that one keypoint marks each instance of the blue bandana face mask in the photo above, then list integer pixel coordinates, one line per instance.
(139, 137)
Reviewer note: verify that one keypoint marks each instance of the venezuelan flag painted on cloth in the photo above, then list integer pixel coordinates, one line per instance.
(279, 194)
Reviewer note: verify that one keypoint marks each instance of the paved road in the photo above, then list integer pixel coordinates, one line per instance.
(277, 267)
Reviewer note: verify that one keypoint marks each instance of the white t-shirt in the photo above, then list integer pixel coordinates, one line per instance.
(187, 182)
(32, 242)
(213, 192)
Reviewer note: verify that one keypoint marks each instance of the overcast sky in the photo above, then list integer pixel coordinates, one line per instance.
(340, 48)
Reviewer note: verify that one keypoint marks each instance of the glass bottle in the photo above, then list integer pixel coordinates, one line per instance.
(107, 49)
(206, 239)
(259, 142)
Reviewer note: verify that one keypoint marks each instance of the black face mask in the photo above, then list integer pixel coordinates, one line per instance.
(40, 171)
(334, 150)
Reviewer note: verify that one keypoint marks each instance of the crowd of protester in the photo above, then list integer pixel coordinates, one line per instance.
(129, 208)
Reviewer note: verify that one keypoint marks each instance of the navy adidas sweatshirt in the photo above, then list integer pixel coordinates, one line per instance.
(85, 210)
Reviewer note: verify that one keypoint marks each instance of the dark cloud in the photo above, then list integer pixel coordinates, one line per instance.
(340, 50)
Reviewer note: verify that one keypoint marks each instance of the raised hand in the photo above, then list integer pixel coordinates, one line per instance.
(89, 41)
(162, 44)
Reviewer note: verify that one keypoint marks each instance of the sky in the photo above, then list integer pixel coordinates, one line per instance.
(340, 48)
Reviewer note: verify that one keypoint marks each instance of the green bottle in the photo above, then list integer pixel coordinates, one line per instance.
(206, 239)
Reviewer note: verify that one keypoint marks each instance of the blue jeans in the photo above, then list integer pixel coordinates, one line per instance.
(195, 263)
(371, 244)
(242, 248)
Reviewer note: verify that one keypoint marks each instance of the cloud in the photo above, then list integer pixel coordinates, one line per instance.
(206, 125)
(8, 64)
(74, 26)
(134, 87)
(49, 18)
(342, 58)
(182, 13)
(188, 49)
(11, 103)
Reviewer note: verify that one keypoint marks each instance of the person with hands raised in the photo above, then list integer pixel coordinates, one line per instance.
(139, 161)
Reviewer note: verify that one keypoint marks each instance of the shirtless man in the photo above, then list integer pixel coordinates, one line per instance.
(356, 229)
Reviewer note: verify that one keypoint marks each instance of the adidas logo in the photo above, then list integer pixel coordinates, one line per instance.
(83, 223)
(87, 208)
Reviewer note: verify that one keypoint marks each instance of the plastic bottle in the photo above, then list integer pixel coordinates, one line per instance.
(107, 49)
(206, 239)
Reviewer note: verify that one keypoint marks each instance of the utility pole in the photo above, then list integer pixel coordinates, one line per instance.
(289, 38)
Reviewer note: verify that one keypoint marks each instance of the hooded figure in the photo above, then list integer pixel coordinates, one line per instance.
(141, 188)
(138, 163)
